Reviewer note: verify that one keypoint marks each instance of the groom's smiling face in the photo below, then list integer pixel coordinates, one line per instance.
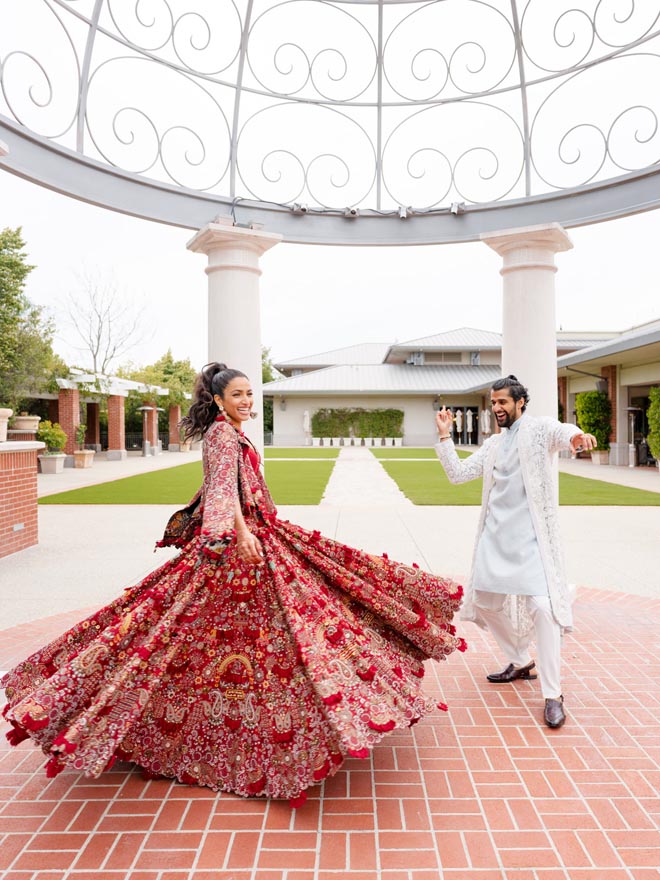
(505, 409)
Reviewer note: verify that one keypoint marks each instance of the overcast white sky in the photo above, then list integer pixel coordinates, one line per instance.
(318, 298)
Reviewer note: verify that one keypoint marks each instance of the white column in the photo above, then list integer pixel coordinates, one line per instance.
(529, 336)
(233, 308)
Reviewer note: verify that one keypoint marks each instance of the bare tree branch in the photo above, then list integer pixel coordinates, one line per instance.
(101, 321)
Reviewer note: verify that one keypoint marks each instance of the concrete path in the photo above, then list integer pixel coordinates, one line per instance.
(359, 480)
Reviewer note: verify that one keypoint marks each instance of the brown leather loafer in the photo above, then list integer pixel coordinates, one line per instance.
(553, 714)
(511, 673)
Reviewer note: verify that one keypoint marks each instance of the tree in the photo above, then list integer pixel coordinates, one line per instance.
(653, 415)
(27, 360)
(100, 319)
(267, 375)
(177, 376)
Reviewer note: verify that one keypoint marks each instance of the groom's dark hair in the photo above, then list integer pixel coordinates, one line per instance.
(516, 389)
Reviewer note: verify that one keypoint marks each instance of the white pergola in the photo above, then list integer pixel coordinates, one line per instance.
(362, 122)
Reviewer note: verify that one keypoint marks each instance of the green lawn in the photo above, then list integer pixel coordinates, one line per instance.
(403, 452)
(296, 482)
(425, 482)
(302, 452)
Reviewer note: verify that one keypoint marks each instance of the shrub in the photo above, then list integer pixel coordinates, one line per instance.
(594, 414)
(52, 434)
(653, 415)
(358, 423)
(81, 430)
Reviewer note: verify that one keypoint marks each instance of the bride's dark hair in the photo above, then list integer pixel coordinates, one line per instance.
(213, 379)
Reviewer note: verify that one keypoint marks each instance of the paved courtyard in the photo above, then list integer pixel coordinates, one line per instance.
(482, 792)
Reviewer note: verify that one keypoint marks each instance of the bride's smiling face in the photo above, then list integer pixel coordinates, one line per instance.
(237, 400)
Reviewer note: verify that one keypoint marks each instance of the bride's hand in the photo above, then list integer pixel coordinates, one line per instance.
(249, 548)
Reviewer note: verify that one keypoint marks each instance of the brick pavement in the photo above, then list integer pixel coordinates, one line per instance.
(483, 792)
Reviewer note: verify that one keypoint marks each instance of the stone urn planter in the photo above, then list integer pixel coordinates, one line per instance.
(83, 458)
(368, 441)
(24, 422)
(5, 415)
(600, 456)
(53, 463)
(398, 441)
(327, 441)
(347, 441)
(316, 441)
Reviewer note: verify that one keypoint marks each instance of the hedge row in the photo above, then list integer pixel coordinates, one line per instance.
(357, 423)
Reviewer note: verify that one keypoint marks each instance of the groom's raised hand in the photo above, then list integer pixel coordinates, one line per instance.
(443, 421)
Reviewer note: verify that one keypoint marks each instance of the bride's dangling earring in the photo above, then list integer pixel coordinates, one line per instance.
(254, 415)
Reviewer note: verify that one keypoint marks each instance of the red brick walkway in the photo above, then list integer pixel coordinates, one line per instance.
(482, 793)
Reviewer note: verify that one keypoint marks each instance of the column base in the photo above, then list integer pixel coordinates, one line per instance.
(174, 447)
(619, 453)
(116, 454)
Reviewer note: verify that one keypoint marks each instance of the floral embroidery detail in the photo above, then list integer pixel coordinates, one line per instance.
(258, 681)
(538, 441)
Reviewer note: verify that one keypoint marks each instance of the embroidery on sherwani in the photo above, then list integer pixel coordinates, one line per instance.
(256, 680)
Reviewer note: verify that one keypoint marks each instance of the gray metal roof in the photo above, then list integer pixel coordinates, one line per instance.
(462, 338)
(387, 379)
(365, 353)
(638, 337)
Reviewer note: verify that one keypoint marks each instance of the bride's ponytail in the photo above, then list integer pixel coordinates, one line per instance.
(212, 380)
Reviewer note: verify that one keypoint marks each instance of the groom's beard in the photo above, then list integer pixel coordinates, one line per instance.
(506, 422)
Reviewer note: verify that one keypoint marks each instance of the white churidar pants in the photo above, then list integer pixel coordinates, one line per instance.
(515, 648)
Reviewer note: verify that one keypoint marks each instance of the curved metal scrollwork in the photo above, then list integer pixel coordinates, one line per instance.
(333, 103)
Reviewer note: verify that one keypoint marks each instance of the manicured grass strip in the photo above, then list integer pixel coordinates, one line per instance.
(403, 452)
(302, 452)
(585, 491)
(426, 483)
(174, 485)
(295, 482)
(386, 452)
(298, 482)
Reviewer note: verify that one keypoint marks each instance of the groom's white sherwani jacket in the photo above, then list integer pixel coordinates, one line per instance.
(539, 439)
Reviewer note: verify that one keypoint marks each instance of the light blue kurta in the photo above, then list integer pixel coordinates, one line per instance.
(508, 558)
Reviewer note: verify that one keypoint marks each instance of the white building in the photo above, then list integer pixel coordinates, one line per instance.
(453, 369)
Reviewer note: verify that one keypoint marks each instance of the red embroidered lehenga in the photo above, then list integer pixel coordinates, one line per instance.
(255, 680)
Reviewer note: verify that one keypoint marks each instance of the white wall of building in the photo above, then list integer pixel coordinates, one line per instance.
(418, 420)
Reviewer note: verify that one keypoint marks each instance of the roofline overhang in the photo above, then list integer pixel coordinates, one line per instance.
(615, 347)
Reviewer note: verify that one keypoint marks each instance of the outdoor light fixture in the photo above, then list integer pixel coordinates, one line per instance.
(601, 384)
(457, 208)
(351, 212)
(404, 213)
(299, 208)
(283, 404)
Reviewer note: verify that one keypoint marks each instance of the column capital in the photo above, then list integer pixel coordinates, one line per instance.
(551, 237)
(222, 234)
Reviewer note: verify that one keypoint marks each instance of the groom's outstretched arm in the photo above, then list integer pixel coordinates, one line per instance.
(457, 470)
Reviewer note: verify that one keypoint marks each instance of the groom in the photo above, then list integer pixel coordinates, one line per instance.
(518, 580)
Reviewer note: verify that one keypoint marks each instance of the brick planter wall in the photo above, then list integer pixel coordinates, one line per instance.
(18, 496)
